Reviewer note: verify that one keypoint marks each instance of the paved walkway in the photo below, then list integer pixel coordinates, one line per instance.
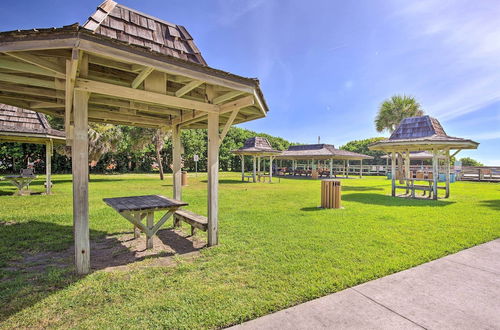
(460, 291)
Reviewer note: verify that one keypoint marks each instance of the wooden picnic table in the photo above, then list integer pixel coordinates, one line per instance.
(21, 182)
(136, 208)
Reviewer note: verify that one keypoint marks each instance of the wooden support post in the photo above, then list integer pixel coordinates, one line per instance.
(270, 169)
(150, 223)
(176, 166)
(393, 173)
(48, 166)
(80, 168)
(347, 175)
(447, 169)
(435, 173)
(258, 168)
(213, 178)
(407, 169)
(331, 167)
(254, 169)
(360, 168)
(242, 168)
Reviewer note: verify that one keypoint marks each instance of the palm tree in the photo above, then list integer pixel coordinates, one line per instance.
(395, 109)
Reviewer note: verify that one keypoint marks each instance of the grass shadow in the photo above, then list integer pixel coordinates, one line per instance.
(228, 181)
(379, 199)
(37, 258)
(354, 188)
(312, 209)
(494, 204)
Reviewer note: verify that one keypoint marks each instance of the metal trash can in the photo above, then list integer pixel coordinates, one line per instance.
(184, 178)
(330, 194)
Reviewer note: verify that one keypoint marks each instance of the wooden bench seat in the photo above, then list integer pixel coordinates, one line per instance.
(195, 220)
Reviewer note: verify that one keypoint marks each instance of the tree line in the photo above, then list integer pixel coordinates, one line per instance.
(125, 149)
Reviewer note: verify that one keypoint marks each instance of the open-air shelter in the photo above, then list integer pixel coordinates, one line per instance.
(313, 154)
(124, 67)
(258, 148)
(26, 126)
(417, 134)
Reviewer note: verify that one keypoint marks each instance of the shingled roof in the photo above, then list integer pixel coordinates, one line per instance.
(17, 122)
(125, 24)
(320, 151)
(256, 145)
(422, 133)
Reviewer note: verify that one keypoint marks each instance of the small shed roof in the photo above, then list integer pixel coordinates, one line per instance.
(257, 146)
(320, 151)
(26, 126)
(422, 133)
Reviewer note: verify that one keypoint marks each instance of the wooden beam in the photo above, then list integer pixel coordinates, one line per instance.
(143, 96)
(80, 168)
(225, 97)
(237, 104)
(71, 72)
(102, 100)
(11, 64)
(27, 90)
(116, 116)
(228, 125)
(42, 105)
(187, 88)
(193, 117)
(13, 78)
(142, 76)
(40, 62)
(176, 166)
(213, 179)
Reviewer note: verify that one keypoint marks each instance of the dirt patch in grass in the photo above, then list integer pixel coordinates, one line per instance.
(115, 252)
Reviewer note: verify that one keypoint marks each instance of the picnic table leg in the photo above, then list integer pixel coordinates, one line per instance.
(137, 231)
(150, 225)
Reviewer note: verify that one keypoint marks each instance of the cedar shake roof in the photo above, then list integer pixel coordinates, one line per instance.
(418, 127)
(256, 145)
(422, 133)
(17, 121)
(128, 25)
(323, 151)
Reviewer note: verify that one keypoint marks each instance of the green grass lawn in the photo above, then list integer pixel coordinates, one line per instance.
(277, 249)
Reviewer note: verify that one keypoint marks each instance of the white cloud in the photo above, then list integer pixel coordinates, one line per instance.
(232, 10)
(466, 35)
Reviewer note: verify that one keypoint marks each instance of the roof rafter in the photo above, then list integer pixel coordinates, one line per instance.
(40, 62)
(188, 87)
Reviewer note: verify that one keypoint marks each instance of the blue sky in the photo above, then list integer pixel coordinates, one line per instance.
(325, 66)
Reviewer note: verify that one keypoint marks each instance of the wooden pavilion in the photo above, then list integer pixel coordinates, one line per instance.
(124, 67)
(257, 147)
(315, 153)
(26, 126)
(416, 134)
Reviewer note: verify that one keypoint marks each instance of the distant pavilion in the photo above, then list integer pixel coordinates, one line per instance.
(313, 154)
(257, 147)
(26, 126)
(424, 133)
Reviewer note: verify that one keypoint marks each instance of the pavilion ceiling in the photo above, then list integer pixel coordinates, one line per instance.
(129, 85)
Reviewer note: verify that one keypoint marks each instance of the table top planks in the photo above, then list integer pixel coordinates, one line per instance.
(143, 203)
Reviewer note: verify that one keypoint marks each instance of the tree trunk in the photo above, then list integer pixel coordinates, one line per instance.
(159, 161)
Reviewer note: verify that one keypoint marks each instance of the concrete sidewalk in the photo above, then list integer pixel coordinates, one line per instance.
(460, 291)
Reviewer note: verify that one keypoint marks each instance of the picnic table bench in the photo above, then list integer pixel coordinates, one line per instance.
(136, 208)
(195, 220)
